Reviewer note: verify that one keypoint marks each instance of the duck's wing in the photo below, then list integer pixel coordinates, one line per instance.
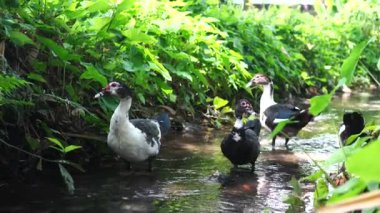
(151, 128)
(281, 111)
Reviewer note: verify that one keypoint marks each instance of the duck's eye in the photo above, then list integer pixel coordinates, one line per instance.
(113, 84)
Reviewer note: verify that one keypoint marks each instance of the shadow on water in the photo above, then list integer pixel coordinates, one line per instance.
(191, 174)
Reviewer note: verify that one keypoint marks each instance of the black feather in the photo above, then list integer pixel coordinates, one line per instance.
(150, 128)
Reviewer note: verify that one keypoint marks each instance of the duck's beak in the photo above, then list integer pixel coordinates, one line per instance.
(101, 93)
(250, 84)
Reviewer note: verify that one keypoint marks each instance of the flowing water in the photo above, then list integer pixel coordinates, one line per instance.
(191, 174)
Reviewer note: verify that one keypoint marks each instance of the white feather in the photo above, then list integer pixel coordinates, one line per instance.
(236, 137)
(342, 128)
(238, 124)
(127, 140)
(278, 120)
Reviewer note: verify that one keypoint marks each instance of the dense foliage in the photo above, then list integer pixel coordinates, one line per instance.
(188, 55)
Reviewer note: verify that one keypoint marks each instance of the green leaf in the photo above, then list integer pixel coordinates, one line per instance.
(296, 186)
(356, 163)
(219, 102)
(279, 127)
(136, 36)
(20, 38)
(349, 64)
(57, 143)
(124, 5)
(93, 74)
(313, 177)
(319, 103)
(352, 187)
(71, 148)
(322, 190)
(61, 52)
(157, 66)
(378, 64)
(141, 97)
(67, 178)
(36, 77)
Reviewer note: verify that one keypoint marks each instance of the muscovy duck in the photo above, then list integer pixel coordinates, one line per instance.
(135, 140)
(241, 145)
(353, 123)
(272, 113)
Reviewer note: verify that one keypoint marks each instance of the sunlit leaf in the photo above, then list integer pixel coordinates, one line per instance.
(71, 148)
(370, 153)
(124, 5)
(134, 35)
(219, 102)
(319, 103)
(314, 176)
(279, 127)
(349, 189)
(157, 66)
(67, 178)
(57, 143)
(93, 74)
(20, 38)
(322, 190)
(349, 65)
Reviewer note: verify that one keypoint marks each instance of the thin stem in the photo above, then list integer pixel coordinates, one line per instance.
(29, 153)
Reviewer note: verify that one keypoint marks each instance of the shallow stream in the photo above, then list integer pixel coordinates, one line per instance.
(191, 174)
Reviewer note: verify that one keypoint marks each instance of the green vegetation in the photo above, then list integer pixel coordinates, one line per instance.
(189, 55)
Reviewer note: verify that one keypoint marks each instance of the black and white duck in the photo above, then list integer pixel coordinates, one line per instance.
(353, 123)
(272, 113)
(241, 145)
(134, 140)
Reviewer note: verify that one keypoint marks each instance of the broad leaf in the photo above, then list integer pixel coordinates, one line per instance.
(219, 102)
(319, 103)
(57, 143)
(157, 66)
(349, 65)
(93, 74)
(349, 189)
(135, 35)
(67, 178)
(358, 163)
(61, 52)
(36, 77)
(20, 38)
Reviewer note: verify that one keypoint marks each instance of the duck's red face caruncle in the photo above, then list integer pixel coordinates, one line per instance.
(243, 106)
(112, 88)
(115, 88)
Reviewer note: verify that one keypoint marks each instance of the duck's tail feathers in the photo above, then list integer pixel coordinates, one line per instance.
(164, 122)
